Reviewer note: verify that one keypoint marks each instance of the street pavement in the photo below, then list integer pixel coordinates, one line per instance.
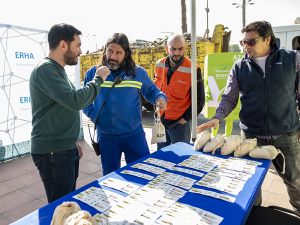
(21, 190)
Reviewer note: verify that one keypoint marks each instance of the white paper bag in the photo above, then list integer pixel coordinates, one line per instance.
(158, 130)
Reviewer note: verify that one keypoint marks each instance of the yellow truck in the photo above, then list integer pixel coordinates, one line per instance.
(146, 54)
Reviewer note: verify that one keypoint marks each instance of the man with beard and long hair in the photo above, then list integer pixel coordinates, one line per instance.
(55, 112)
(173, 77)
(118, 105)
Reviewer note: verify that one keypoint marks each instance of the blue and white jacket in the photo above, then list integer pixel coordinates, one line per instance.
(122, 111)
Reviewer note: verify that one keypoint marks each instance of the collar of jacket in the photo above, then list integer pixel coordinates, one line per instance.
(247, 58)
(116, 73)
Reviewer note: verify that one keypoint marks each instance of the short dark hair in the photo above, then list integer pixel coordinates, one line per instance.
(122, 40)
(263, 28)
(61, 32)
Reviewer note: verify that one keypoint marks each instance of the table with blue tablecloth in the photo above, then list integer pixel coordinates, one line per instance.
(234, 213)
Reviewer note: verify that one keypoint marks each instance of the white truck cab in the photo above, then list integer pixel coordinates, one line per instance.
(288, 36)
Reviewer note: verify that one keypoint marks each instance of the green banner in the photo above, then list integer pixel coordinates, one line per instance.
(216, 70)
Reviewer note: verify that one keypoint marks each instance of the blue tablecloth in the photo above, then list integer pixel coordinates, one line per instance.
(233, 213)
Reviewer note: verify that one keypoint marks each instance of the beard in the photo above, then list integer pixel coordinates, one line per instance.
(70, 58)
(176, 58)
(113, 65)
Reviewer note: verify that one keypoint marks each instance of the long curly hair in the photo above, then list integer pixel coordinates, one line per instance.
(121, 39)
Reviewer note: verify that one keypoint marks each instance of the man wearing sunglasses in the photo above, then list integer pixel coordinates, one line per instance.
(267, 81)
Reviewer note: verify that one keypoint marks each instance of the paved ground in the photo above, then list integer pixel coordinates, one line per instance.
(21, 190)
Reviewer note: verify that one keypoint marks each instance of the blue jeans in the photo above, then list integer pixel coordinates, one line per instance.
(290, 147)
(133, 145)
(58, 171)
(177, 133)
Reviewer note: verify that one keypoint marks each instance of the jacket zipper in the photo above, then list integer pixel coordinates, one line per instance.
(263, 127)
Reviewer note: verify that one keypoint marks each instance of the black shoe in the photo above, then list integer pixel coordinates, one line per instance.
(297, 211)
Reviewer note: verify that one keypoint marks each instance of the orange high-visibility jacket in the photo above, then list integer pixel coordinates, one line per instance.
(178, 90)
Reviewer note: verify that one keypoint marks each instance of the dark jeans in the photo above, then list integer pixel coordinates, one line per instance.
(58, 172)
(290, 147)
(177, 133)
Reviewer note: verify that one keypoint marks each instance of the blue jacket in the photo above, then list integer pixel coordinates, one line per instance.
(122, 110)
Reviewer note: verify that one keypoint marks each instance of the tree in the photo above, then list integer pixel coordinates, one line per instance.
(234, 48)
(183, 17)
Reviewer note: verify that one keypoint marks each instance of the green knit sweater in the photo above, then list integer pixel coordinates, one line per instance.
(55, 107)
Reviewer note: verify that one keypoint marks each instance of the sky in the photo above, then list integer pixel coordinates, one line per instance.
(142, 19)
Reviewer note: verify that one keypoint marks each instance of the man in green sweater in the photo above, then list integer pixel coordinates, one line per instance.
(55, 111)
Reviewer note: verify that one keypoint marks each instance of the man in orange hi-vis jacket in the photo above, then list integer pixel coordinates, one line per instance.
(173, 77)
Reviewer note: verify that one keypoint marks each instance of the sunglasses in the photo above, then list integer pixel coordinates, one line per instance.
(250, 42)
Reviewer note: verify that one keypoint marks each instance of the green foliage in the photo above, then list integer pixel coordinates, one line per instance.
(234, 48)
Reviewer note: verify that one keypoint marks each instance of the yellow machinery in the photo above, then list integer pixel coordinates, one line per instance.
(147, 56)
